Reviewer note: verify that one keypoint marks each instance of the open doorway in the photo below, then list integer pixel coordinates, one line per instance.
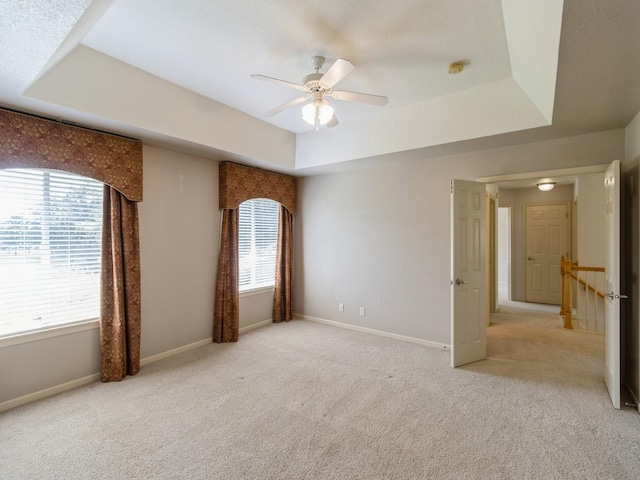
(586, 225)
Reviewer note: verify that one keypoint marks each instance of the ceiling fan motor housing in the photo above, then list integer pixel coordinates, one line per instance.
(312, 82)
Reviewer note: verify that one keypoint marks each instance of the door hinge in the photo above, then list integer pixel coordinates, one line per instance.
(452, 186)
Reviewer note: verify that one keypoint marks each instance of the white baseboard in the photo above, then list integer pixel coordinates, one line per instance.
(371, 331)
(47, 392)
(256, 325)
(191, 346)
(175, 351)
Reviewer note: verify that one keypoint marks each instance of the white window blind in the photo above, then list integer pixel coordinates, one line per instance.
(50, 246)
(258, 234)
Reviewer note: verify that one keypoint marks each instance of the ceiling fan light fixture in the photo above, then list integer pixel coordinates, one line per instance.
(546, 186)
(317, 111)
(316, 85)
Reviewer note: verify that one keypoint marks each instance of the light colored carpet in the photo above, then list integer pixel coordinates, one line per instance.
(309, 401)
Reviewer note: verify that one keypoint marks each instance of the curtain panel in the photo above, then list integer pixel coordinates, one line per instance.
(239, 183)
(282, 304)
(226, 321)
(119, 288)
(27, 141)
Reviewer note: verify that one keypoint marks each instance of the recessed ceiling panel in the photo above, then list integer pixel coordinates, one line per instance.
(401, 49)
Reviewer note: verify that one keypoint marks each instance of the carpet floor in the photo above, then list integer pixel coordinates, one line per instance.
(308, 401)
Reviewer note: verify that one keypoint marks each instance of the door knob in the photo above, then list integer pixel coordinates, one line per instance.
(613, 296)
(530, 258)
(460, 282)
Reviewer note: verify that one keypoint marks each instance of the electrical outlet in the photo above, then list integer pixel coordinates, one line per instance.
(362, 311)
(341, 307)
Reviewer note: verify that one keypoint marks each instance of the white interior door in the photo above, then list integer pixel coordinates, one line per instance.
(468, 330)
(547, 239)
(612, 282)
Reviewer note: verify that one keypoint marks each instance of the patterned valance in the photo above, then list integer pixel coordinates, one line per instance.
(31, 142)
(239, 183)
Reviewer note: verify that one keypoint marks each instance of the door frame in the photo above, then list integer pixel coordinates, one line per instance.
(491, 258)
(531, 177)
(509, 209)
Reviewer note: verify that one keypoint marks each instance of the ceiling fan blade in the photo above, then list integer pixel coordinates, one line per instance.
(281, 108)
(359, 97)
(333, 121)
(302, 88)
(340, 69)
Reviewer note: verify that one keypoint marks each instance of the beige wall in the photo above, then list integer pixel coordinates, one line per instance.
(30, 367)
(179, 233)
(380, 237)
(179, 230)
(377, 238)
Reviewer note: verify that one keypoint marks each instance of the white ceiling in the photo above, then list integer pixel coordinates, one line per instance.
(399, 48)
(178, 73)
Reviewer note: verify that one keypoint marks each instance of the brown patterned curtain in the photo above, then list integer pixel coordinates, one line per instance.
(32, 142)
(226, 320)
(237, 184)
(282, 305)
(27, 141)
(119, 288)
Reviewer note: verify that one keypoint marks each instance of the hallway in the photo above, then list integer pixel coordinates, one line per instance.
(526, 341)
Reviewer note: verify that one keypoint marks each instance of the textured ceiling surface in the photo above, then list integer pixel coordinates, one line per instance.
(30, 33)
(401, 49)
(178, 73)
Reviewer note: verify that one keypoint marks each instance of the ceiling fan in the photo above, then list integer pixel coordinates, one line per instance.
(315, 86)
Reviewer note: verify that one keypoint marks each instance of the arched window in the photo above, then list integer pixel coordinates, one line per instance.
(238, 184)
(32, 142)
(257, 239)
(50, 249)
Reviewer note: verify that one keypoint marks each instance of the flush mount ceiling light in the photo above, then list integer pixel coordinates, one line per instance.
(546, 186)
(455, 68)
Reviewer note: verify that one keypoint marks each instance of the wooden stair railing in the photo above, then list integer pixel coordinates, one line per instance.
(570, 270)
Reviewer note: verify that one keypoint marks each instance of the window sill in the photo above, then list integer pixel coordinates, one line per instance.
(50, 332)
(256, 291)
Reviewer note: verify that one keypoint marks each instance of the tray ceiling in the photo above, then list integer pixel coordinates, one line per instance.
(178, 73)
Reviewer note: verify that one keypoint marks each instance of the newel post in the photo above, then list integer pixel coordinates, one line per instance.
(567, 305)
(562, 306)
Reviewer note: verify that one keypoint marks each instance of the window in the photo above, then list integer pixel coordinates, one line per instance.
(50, 247)
(258, 234)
